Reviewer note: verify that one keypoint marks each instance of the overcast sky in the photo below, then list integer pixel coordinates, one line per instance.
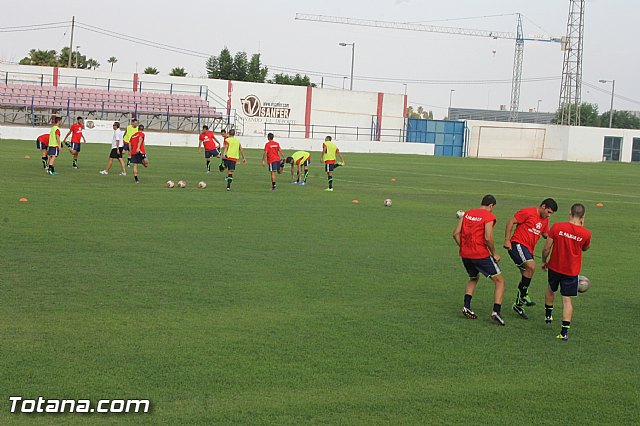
(268, 27)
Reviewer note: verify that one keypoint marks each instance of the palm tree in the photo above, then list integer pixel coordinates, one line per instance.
(151, 70)
(92, 64)
(178, 72)
(112, 60)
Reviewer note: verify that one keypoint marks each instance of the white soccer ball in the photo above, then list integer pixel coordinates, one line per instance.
(388, 202)
(460, 214)
(202, 184)
(182, 184)
(583, 284)
(170, 184)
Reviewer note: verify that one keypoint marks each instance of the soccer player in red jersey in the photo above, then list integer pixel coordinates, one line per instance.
(76, 137)
(531, 223)
(42, 143)
(566, 242)
(474, 236)
(273, 156)
(138, 151)
(211, 146)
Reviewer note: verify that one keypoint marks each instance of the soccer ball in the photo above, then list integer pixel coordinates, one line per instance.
(460, 214)
(170, 184)
(583, 284)
(388, 202)
(182, 184)
(202, 184)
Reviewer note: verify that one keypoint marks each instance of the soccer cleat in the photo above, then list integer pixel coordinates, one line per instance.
(274, 189)
(128, 165)
(548, 319)
(67, 144)
(495, 317)
(329, 189)
(75, 166)
(527, 300)
(123, 174)
(520, 311)
(104, 172)
(221, 168)
(563, 338)
(303, 183)
(228, 189)
(295, 182)
(53, 173)
(468, 313)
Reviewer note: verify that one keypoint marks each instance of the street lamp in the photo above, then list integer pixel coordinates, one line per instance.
(613, 90)
(343, 80)
(538, 107)
(451, 96)
(353, 55)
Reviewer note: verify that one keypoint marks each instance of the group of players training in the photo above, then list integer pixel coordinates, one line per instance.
(133, 142)
(561, 256)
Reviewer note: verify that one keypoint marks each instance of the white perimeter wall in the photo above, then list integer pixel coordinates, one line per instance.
(489, 139)
(248, 141)
(328, 107)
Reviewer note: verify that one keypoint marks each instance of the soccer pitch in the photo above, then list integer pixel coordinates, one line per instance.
(298, 306)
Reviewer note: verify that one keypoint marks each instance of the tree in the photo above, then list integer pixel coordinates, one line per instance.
(178, 72)
(151, 70)
(419, 113)
(621, 120)
(213, 67)
(240, 67)
(45, 58)
(256, 72)
(589, 116)
(112, 60)
(93, 64)
(225, 65)
(296, 80)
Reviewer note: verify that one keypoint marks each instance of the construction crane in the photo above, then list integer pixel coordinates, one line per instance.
(518, 36)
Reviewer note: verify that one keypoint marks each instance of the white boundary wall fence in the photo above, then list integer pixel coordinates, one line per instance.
(490, 139)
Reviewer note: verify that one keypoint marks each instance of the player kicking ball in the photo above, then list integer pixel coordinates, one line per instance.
(329, 152)
(274, 157)
(231, 154)
(566, 243)
(76, 138)
(300, 160)
(474, 236)
(211, 146)
(138, 152)
(531, 223)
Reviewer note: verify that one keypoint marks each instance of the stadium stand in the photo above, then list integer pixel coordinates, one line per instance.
(34, 104)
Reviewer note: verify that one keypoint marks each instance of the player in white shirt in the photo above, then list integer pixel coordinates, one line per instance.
(116, 150)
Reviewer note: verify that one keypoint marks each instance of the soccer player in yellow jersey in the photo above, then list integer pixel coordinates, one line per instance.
(231, 154)
(54, 145)
(132, 129)
(301, 160)
(329, 153)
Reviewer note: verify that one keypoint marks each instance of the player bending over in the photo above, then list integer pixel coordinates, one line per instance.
(531, 223)
(474, 236)
(301, 160)
(42, 143)
(566, 242)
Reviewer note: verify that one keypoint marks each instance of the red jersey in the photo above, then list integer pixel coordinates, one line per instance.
(44, 139)
(76, 132)
(530, 227)
(568, 242)
(137, 143)
(473, 244)
(272, 148)
(208, 141)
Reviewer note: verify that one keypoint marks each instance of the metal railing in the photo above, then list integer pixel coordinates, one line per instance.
(337, 132)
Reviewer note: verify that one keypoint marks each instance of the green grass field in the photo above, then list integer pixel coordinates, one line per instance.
(298, 306)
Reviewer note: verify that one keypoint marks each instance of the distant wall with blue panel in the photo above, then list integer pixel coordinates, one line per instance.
(448, 136)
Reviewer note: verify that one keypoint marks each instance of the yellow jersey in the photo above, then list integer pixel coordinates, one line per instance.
(53, 142)
(331, 147)
(130, 132)
(300, 157)
(233, 148)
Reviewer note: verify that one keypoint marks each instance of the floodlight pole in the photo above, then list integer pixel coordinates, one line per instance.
(613, 91)
(73, 26)
(353, 56)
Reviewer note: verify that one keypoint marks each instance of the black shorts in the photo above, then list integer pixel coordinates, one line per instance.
(229, 164)
(41, 145)
(520, 254)
(212, 153)
(124, 147)
(138, 158)
(53, 151)
(75, 146)
(329, 167)
(568, 284)
(486, 266)
(274, 167)
(115, 153)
